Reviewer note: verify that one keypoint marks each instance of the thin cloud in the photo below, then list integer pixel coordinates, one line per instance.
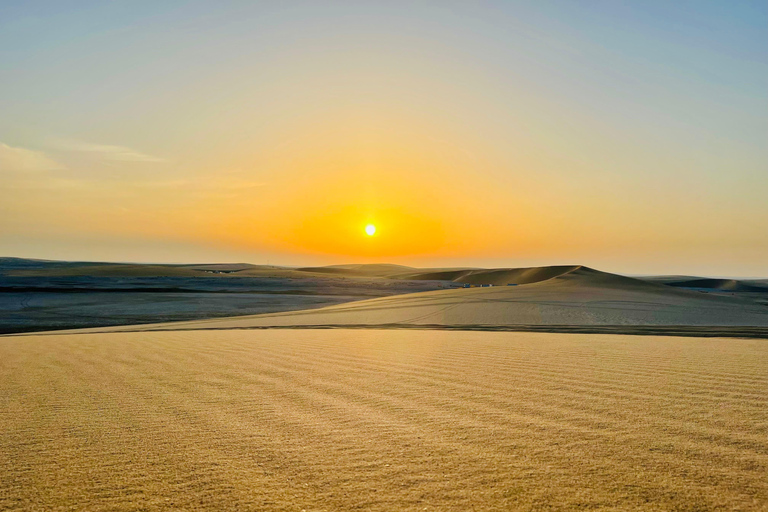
(14, 159)
(109, 152)
(205, 186)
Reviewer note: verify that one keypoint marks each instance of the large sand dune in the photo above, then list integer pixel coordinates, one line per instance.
(575, 296)
(40, 295)
(382, 420)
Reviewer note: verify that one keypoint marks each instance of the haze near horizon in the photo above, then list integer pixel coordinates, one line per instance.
(628, 137)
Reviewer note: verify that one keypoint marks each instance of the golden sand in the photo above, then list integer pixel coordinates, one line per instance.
(382, 420)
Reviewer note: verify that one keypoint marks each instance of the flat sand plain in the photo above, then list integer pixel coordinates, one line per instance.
(382, 420)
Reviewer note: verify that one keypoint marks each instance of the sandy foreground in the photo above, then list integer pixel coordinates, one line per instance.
(382, 420)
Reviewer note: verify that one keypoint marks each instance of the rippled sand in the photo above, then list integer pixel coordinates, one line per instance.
(382, 420)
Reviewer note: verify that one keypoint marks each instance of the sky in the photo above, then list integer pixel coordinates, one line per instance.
(630, 136)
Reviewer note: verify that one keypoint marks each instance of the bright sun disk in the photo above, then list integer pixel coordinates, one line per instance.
(370, 229)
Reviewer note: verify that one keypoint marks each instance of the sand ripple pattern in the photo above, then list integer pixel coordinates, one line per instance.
(382, 420)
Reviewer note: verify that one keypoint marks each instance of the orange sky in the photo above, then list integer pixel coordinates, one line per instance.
(629, 138)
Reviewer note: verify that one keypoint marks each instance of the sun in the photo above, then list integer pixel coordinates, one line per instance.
(370, 230)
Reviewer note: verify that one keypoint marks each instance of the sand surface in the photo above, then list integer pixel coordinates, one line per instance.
(382, 420)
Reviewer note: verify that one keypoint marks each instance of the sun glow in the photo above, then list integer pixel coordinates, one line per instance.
(370, 230)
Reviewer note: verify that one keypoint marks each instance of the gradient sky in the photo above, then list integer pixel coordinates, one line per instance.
(627, 136)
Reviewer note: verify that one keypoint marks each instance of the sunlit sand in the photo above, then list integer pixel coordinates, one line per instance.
(382, 420)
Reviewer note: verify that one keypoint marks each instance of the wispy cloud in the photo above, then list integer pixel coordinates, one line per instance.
(108, 152)
(14, 159)
(205, 186)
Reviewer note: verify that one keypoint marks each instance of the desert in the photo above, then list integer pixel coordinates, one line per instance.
(557, 388)
(383, 255)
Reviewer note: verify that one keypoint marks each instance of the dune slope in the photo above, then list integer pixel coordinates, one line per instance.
(496, 276)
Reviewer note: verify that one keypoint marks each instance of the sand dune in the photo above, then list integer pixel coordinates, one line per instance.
(20, 267)
(730, 285)
(146, 270)
(560, 297)
(382, 420)
(497, 277)
(577, 297)
(367, 270)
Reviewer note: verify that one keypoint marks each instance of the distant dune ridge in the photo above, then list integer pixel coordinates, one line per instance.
(495, 276)
(562, 297)
(477, 276)
(38, 295)
(546, 296)
(22, 267)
